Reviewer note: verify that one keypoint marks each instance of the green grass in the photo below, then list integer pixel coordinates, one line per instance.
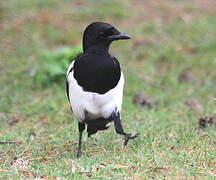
(170, 146)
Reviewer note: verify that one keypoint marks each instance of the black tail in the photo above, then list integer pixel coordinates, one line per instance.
(97, 124)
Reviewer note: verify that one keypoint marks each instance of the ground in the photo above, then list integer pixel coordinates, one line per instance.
(169, 38)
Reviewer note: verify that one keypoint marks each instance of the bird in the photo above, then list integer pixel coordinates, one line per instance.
(95, 82)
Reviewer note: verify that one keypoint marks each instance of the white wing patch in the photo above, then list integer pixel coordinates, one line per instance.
(69, 68)
(97, 105)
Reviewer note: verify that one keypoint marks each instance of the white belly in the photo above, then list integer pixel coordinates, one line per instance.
(96, 105)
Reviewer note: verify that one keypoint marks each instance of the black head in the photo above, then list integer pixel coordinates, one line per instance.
(98, 36)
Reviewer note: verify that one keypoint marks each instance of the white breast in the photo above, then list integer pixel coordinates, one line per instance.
(97, 105)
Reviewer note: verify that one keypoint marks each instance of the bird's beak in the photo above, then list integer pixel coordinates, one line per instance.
(119, 36)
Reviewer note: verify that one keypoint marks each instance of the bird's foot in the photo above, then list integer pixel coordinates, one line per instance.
(128, 137)
(79, 154)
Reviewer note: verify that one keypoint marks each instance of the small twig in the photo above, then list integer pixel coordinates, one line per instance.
(20, 155)
(4, 170)
(41, 158)
(10, 142)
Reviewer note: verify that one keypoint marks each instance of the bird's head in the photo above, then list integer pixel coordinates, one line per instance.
(98, 36)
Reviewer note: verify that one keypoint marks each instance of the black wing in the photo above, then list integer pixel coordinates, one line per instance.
(97, 73)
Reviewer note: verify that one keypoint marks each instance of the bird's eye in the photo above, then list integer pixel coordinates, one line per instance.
(106, 33)
(110, 31)
(101, 35)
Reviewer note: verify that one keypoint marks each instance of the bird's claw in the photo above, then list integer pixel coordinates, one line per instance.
(128, 137)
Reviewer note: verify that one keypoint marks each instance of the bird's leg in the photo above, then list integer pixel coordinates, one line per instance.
(119, 128)
(81, 127)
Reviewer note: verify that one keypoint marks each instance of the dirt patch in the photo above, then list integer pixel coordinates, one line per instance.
(186, 76)
(144, 100)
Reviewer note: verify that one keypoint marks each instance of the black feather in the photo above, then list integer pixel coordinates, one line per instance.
(97, 124)
(97, 73)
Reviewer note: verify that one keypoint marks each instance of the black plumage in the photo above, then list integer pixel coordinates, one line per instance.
(95, 82)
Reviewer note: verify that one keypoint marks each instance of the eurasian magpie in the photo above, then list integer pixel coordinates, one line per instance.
(94, 83)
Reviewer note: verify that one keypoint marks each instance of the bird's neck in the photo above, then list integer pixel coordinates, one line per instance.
(99, 48)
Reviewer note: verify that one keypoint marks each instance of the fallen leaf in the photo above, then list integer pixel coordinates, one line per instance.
(15, 119)
(41, 159)
(32, 174)
(76, 167)
(194, 104)
(119, 166)
(20, 163)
